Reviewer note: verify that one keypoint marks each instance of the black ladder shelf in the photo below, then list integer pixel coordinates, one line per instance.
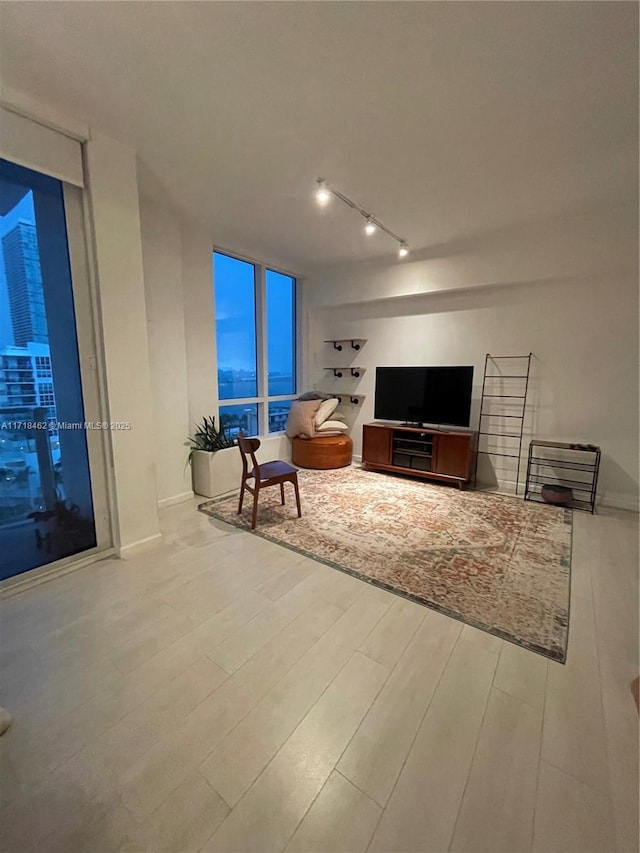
(515, 369)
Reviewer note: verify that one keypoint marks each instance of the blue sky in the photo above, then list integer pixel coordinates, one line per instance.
(235, 317)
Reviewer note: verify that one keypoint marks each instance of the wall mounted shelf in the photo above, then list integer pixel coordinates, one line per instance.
(339, 371)
(352, 371)
(354, 399)
(356, 343)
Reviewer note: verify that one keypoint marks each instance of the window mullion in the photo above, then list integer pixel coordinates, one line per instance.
(299, 331)
(261, 348)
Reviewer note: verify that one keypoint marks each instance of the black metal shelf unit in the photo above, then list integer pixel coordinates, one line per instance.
(581, 460)
(514, 370)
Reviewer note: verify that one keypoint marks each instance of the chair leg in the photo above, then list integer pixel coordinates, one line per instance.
(282, 493)
(241, 498)
(295, 487)
(255, 508)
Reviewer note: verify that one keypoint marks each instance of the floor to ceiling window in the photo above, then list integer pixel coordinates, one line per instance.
(46, 498)
(256, 344)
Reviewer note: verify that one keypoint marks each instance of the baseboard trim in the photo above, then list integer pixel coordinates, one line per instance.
(628, 503)
(34, 577)
(619, 502)
(125, 552)
(175, 499)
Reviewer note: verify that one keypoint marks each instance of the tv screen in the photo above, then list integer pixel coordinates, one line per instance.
(424, 395)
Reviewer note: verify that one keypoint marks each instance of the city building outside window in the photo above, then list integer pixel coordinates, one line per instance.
(256, 342)
(43, 367)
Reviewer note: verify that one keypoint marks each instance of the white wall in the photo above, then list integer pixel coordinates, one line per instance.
(114, 204)
(200, 337)
(565, 290)
(178, 272)
(162, 259)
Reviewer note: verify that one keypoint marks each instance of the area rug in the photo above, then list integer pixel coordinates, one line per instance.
(495, 562)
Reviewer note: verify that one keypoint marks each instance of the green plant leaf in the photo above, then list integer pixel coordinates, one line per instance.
(207, 436)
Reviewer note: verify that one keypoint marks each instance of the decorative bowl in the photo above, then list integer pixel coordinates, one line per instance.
(552, 493)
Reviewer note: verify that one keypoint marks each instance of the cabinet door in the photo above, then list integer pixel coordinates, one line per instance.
(453, 455)
(376, 444)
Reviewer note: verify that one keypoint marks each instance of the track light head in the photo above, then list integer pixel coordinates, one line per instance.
(323, 193)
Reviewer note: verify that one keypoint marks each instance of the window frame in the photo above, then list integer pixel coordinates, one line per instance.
(263, 398)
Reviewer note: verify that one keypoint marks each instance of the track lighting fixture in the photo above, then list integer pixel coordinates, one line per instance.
(324, 192)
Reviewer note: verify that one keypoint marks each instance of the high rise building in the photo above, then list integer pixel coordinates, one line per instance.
(24, 285)
(26, 382)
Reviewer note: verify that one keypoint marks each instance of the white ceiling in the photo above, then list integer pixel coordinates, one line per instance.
(443, 119)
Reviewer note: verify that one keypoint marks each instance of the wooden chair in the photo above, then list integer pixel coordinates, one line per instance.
(267, 474)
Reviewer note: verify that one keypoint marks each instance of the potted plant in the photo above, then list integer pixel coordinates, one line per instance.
(216, 466)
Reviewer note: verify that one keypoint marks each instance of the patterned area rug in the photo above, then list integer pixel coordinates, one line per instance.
(498, 563)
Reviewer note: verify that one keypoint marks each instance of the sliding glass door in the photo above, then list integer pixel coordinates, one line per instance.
(52, 474)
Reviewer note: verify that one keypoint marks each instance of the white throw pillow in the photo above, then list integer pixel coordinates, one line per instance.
(335, 425)
(327, 408)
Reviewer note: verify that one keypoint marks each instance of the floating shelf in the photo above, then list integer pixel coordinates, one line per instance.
(339, 371)
(356, 343)
(354, 399)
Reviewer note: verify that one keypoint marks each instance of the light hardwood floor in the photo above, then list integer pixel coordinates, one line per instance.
(221, 693)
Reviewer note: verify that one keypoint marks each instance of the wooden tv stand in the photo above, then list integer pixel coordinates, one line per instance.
(435, 454)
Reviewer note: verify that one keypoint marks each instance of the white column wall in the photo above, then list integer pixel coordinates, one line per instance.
(162, 259)
(115, 214)
(199, 316)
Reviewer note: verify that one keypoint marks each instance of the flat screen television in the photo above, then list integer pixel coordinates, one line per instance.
(424, 395)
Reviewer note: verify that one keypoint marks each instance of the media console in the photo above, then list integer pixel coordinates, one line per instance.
(435, 454)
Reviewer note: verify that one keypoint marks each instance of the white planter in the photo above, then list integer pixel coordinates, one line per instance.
(214, 474)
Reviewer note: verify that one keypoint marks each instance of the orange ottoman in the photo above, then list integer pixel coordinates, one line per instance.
(324, 451)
